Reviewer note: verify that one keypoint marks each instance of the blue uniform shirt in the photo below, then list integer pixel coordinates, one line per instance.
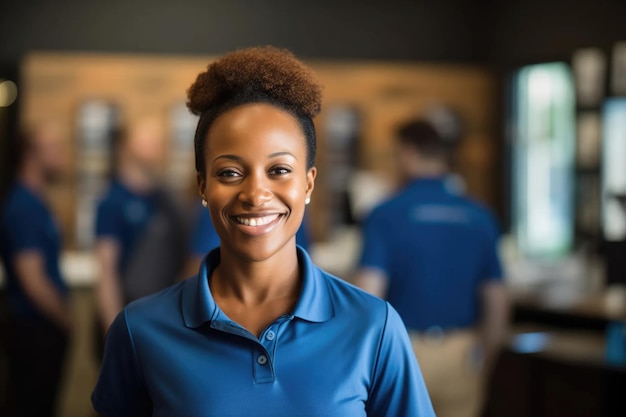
(204, 237)
(123, 215)
(436, 247)
(340, 353)
(26, 224)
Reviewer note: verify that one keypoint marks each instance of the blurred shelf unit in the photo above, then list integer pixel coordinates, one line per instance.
(568, 144)
(601, 143)
(590, 71)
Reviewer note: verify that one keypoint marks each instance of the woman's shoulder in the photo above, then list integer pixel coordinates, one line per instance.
(348, 298)
(163, 304)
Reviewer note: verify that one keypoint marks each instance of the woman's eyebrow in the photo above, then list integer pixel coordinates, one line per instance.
(239, 159)
(276, 154)
(232, 157)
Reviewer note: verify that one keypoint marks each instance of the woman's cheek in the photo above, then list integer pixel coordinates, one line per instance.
(295, 192)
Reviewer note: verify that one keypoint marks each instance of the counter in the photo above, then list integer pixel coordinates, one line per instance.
(79, 268)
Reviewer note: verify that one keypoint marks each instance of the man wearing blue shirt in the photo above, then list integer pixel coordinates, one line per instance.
(141, 240)
(432, 253)
(40, 320)
(177, 350)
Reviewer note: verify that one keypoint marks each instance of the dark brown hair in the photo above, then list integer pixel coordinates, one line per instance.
(423, 137)
(255, 75)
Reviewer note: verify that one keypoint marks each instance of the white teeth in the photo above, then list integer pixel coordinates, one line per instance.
(257, 221)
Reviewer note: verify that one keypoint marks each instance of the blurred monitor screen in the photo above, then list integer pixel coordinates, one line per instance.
(614, 169)
(543, 151)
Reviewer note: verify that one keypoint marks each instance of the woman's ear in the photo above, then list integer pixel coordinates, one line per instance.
(201, 185)
(310, 181)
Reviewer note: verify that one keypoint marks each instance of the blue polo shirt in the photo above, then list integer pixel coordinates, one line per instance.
(123, 216)
(204, 237)
(436, 248)
(26, 224)
(340, 353)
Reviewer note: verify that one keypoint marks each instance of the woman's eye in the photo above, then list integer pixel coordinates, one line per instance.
(228, 173)
(280, 171)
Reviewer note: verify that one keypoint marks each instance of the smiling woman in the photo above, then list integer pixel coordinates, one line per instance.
(260, 331)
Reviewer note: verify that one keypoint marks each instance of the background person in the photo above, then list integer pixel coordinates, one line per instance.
(40, 318)
(433, 254)
(141, 235)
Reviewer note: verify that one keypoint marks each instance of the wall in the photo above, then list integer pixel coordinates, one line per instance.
(531, 31)
(55, 86)
(443, 30)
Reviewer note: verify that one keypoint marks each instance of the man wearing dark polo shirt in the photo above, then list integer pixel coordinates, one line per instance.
(141, 233)
(432, 253)
(39, 313)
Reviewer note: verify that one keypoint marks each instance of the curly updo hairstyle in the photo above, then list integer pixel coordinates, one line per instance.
(255, 75)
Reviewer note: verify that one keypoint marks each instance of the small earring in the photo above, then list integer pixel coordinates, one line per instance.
(307, 201)
(204, 203)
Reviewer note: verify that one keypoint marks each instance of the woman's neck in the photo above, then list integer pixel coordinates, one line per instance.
(254, 283)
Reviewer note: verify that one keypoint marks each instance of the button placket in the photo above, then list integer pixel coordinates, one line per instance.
(262, 365)
(269, 339)
(263, 357)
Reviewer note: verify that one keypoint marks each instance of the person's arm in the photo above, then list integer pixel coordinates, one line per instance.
(108, 291)
(31, 275)
(493, 299)
(494, 320)
(374, 260)
(372, 280)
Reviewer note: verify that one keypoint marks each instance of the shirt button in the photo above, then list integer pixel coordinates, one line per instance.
(270, 335)
(261, 360)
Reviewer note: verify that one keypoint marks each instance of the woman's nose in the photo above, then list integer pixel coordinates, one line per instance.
(255, 190)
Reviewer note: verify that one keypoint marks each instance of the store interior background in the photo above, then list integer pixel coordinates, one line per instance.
(380, 62)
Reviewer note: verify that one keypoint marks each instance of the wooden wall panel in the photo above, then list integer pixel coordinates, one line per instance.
(55, 84)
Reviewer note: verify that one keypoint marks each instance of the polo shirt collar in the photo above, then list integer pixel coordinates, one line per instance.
(198, 306)
(437, 182)
(316, 302)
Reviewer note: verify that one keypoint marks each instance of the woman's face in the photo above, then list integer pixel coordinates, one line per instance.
(256, 180)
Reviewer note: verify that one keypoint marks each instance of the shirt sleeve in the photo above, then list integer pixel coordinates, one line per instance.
(24, 231)
(398, 388)
(204, 237)
(121, 390)
(108, 223)
(374, 253)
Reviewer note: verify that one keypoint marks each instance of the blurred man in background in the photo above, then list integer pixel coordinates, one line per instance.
(204, 239)
(40, 320)
(140, 229)
(433, 254)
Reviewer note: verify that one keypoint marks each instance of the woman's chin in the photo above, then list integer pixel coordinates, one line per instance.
(260, 250)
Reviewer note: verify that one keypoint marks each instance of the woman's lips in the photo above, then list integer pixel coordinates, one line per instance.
(257, 221)
(256, 225)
